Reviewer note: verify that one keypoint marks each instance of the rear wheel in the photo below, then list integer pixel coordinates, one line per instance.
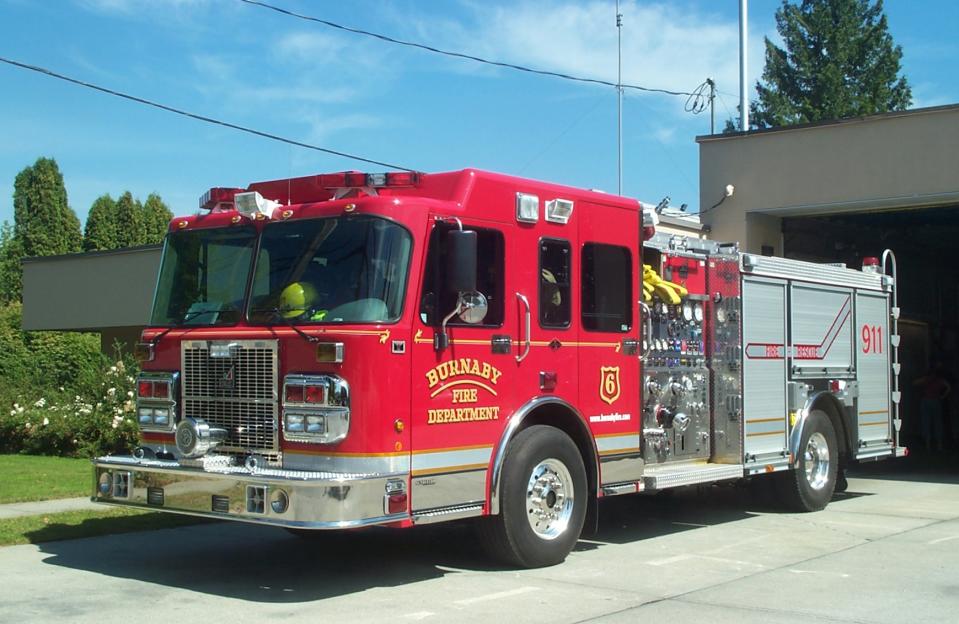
(542, 500)
(810, 485)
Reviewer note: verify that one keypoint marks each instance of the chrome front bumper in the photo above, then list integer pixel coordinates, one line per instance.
(316, 500)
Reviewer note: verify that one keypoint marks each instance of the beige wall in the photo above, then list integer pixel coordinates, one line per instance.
(885, 161)
(683, 227)
(90, 291)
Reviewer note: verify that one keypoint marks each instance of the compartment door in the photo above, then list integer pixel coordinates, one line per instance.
(822, 344)
(764, 369)
(872, 358)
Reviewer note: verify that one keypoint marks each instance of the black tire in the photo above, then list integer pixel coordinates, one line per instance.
(510, 536)
(810, 485)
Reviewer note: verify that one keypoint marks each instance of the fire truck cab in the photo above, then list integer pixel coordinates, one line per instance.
(353, 349)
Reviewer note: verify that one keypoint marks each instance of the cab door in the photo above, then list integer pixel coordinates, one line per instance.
(609, 374)
(460, 395)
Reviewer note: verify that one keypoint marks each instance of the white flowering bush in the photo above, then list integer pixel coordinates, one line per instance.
(65, 423)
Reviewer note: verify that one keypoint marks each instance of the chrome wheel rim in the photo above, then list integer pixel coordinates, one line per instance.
(549, 499)
(816, 461)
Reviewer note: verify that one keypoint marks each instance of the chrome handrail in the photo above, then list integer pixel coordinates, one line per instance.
(521, 297)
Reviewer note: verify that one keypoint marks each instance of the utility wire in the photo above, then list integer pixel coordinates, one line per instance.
(170, 109)
(460, 55)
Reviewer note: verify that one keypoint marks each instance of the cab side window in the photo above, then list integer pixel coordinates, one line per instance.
(437, 301)
(554, 283)
(607, 288)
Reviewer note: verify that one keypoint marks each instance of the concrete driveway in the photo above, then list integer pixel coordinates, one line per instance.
(886, 551)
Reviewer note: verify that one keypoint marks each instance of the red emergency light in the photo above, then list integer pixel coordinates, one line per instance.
(358, 179)
(219, 199)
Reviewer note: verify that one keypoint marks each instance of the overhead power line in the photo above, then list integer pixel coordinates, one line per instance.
(461, 55)
(178, 111)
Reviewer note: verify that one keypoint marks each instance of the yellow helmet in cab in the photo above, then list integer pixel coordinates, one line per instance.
(296, 299)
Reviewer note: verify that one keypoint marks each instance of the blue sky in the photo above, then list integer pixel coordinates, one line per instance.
(250, 66)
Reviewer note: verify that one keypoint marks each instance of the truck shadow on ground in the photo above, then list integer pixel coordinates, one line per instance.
(269, 565)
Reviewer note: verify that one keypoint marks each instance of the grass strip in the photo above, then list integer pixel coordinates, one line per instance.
(87, 523)
(34, 478)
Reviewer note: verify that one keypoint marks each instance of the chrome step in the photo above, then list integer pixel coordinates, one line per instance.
(441, 514)
(677, 475)
(615, 489)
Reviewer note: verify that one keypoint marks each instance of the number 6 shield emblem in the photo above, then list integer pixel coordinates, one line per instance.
(609, 383)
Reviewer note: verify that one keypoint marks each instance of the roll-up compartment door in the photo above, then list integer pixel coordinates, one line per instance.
(764, 368)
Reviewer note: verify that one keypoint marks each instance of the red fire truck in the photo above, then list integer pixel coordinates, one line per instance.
(398, 349)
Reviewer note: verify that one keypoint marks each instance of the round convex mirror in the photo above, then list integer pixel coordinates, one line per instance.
(474, 307)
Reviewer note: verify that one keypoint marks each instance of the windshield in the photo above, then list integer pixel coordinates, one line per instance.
(350, 269)
(203, 276)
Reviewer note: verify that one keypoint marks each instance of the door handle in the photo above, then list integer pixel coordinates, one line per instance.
(528, 323)
(647, 329)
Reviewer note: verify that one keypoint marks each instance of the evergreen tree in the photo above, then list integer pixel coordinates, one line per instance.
(10, 271)
(129, 222)
(839, 61)
(44, 224)
(100, 232)
(156, 219)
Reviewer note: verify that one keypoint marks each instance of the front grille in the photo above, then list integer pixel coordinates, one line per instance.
(237, 393)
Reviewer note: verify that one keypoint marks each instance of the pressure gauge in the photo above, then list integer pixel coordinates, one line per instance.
(698, 312)
(720, 315)
(687, 312)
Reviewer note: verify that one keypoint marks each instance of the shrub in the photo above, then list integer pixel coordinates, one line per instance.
(62, 423)
(37, 364)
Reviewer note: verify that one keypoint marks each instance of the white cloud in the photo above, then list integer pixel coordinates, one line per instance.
(664, 45)
(323, 126)
(221, 76)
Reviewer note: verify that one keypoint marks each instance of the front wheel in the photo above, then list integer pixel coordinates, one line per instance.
(542, 502)
(810, 485)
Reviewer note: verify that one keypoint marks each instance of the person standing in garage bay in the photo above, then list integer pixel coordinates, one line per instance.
(933, 389)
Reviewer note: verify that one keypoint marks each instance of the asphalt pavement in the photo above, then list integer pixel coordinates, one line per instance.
(887, 550)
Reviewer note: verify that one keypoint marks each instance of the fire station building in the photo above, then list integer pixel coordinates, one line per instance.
(841, 190)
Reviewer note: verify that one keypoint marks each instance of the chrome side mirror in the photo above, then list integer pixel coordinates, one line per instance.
(473, 307)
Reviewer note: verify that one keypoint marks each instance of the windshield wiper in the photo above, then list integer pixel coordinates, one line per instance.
(186, 317)
(278, 313)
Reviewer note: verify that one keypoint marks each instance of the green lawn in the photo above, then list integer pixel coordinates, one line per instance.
(76, 524)
(33, 478)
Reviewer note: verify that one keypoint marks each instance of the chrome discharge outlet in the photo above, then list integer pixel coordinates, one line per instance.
(195, 437)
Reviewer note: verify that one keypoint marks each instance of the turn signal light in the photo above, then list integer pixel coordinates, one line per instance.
(314, 394)
(145, 389)
(294, 394)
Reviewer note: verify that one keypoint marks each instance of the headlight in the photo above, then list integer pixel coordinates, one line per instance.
(294, 423)
(316, 424)
(322, 426)
(161, 416)
(105, 484)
